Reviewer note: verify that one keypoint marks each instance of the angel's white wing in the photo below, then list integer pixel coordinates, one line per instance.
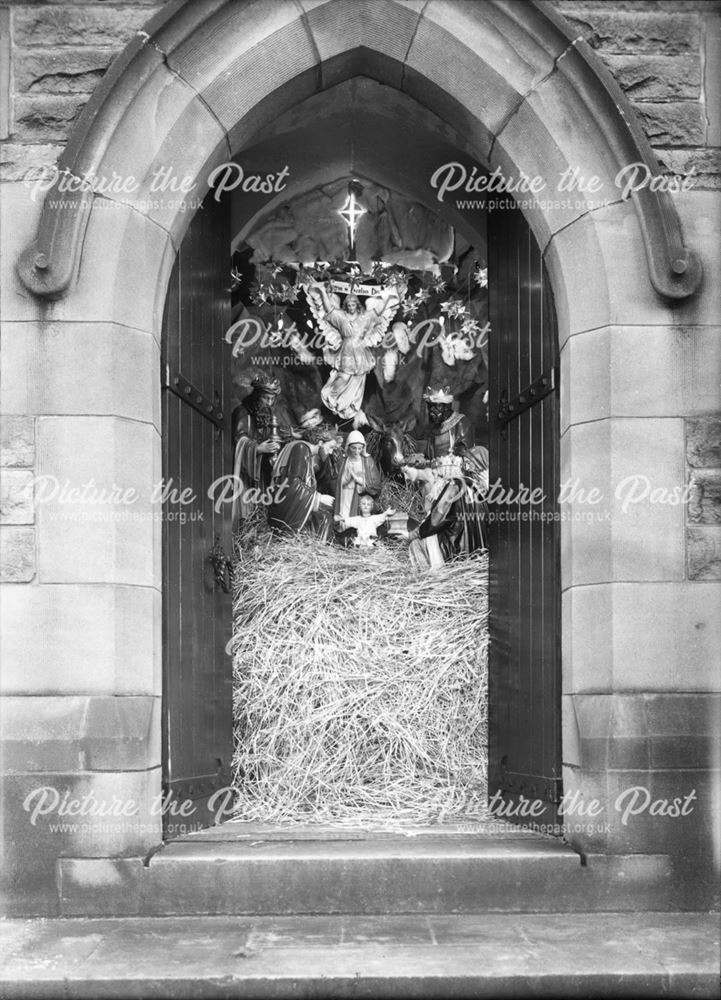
(389, 364)
(402, 337)
(332, 336)
(382, 308)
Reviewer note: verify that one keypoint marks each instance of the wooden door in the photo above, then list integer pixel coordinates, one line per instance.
(197, 670)
(525, 593)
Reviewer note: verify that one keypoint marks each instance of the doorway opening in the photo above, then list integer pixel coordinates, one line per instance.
(361, 459)
(306, 705)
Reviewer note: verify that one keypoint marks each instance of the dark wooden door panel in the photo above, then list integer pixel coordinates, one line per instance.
(197, 678)
(524, 674)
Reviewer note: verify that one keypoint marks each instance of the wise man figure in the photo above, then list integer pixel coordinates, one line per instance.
(257, 440)
(449, 432)
(297, 504)
(455, 512)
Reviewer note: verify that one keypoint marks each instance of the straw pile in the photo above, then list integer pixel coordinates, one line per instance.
(406, 497)
(360, 689)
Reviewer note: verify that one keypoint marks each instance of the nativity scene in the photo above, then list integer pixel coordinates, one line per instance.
(363, 421)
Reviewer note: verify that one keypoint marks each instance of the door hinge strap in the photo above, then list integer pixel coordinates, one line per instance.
(541, 387)
(185, 390)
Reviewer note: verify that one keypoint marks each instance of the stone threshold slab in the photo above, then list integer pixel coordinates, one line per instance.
(499, 955)
(234, 830)
(412, 849)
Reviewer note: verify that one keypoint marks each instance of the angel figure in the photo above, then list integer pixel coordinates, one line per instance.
(351, 333)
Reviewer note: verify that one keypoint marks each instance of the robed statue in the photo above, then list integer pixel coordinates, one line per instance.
(351, 333)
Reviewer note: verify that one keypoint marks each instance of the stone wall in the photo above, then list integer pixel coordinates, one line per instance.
(665, 54)
(80, 399)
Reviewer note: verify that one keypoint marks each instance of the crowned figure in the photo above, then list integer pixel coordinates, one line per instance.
(455, 508)
(351, 333)
(449, 432)
(257, 438)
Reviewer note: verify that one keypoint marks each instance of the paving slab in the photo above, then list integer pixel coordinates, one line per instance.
(495, 955)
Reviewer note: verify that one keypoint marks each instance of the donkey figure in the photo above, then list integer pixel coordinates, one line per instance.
(390, 445)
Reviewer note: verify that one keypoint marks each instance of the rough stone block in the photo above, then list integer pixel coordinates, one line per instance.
(703, 165)
(16, 497)
(657, 77)
(586, 7)
(18, 160)
(60, 71)
(45, 118)
(80, 733)
(17, 442)
(705, 500)
(94, 639)
(634, 32)
(703, 442)
(17, 554)
(73, 25)
(704, 553)
(712, 71)
(680, 123)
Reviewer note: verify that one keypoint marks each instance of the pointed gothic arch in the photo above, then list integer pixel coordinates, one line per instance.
(202, 79)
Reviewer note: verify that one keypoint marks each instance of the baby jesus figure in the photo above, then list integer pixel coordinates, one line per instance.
(366, 523)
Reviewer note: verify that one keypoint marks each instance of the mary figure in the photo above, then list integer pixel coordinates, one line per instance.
(358, 474)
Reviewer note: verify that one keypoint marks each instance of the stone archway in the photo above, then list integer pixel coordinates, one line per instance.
(207, 78)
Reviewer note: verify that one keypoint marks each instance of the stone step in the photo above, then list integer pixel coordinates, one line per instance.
(400, 875)
(495, 955)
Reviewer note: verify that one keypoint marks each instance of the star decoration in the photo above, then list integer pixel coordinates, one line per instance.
(351, 214)
(480, 276)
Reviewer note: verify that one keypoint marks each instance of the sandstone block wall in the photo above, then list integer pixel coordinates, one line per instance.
(666, 55)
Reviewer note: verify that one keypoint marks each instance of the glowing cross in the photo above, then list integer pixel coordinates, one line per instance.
(351, 213)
